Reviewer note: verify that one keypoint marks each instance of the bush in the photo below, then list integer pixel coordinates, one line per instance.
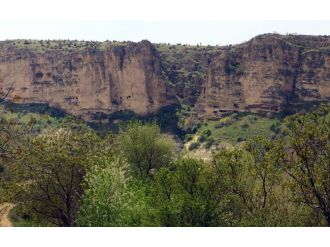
(209, 143)
(275, 128)
(245, 125)
(202, 139)
(206, 133)
(188, 138)
(240, 139)
(193, 146)
(219, 125)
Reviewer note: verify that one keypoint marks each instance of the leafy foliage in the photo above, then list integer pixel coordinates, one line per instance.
(185, 67)
(103, 198)
(144, 147)
(48, 173)
(306, 158)
(233, 128)
(62, 173)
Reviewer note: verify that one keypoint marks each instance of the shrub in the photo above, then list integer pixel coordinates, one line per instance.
(202, 138)
(240, 139)
(218, 125)
(188, 137)
(275, 128)
(206, 133)
(209, 143)
(245, 125)
(193, 146)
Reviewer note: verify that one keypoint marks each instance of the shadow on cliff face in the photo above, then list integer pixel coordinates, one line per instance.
(165, 117)
(34, 107)
(295, 105)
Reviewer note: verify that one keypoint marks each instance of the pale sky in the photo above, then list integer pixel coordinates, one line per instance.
(189, 32)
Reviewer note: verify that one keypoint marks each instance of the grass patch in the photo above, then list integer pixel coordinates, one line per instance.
(234, 129)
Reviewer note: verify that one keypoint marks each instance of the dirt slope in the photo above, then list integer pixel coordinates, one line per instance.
(4, 214)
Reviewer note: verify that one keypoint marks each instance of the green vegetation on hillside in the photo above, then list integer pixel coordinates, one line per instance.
(235, 128)
(60, 45)
(185, 67)
(60, 172)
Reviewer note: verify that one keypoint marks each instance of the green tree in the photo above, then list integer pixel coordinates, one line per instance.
(306, 158)
(264, 168)
(164, 198)
(112, 198)
(144, 147)
(234, 172)
(48, 173)
(187, 194)
(102, 201)
(200, 193)
(255, 188)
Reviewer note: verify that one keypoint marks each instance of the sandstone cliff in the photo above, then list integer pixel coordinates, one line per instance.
(266, 74)
(85, 81)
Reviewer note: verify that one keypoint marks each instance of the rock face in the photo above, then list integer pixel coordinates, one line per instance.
(83, 82)
(266, 74)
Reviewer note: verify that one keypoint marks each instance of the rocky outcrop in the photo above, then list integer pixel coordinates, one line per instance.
(87, 81)
(269, 73)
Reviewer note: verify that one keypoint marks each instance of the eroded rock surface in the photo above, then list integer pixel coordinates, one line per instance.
(86, 81)
(266, 74)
